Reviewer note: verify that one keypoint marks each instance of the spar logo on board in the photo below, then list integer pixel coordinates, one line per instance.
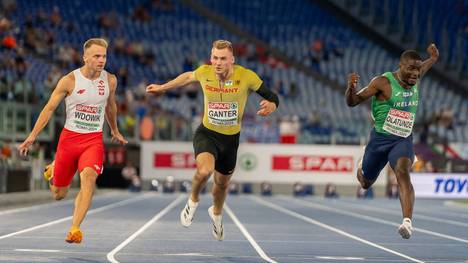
(315, 163)
(174, 160)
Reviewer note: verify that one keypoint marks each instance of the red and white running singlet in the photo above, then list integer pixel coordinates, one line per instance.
(80, 144)
(86, 105)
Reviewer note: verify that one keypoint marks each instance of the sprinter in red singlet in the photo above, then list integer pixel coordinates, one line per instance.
(89, 94)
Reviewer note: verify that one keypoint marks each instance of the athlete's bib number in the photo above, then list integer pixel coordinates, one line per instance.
(87, 117)
(223, 113)
(399, 123)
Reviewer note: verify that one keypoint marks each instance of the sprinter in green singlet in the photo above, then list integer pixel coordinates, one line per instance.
(395, 99)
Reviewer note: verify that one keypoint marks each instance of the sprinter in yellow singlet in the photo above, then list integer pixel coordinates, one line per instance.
(226, 87)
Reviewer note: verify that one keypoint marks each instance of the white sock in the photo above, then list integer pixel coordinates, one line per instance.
(407, 219)
(192, 204)
(217, 218)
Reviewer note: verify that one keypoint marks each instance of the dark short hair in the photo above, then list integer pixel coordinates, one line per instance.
(410, 54)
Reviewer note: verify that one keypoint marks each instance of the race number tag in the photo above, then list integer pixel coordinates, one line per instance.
(399, 123)
(223, 113)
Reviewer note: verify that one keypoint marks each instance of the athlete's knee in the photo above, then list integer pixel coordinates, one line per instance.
(59, 194)
(89, 179)
(403, 173)
(365, 184)
(88, 176)
(204, 171)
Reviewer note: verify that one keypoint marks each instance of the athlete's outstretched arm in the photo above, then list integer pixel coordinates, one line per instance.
(433, 53)
(111, 112)
(60, 91)
(270, 102)
(354, 98)
(182, 80)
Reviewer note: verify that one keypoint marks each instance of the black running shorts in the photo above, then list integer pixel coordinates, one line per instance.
(223, 147)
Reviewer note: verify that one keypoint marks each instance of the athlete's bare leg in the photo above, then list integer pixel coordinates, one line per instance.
(83, 200)
(402, 171)
(220, 187)
(57, 192)
(365, 184)
(205, 167)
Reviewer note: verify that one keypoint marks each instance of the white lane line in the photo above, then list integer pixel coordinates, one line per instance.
(368, 218)
(111, 255)
(53, 204)
(36, 207)
(90, 212)
(247, 235)
(430, 209)
(336, 230)
(38, 250)
(415, 215)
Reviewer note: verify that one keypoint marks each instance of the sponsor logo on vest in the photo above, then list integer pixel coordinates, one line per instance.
(87, 109)
(81, 91)
(223, 113)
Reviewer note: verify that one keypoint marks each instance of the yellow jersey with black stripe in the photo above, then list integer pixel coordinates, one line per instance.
(225, 102)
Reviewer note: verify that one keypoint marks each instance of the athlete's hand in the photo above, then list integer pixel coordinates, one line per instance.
(154, 88)
(24, 147)
(353, 79)
(433, 51)
(266, 108)
(117, 137)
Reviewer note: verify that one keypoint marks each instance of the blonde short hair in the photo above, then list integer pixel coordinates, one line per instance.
(222, 44)
(94, 41)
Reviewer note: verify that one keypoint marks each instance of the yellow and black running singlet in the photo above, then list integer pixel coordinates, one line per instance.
(224, 105)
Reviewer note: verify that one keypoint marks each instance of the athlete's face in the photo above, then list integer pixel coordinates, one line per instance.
(95, 57)
(222, 60)
(410, 71)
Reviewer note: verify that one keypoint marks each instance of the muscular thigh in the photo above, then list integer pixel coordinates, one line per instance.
(374, 160)
(402, 149)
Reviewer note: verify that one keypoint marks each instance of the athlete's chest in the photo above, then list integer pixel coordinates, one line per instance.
(228, 90)
(404, 98)
(90, 92)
